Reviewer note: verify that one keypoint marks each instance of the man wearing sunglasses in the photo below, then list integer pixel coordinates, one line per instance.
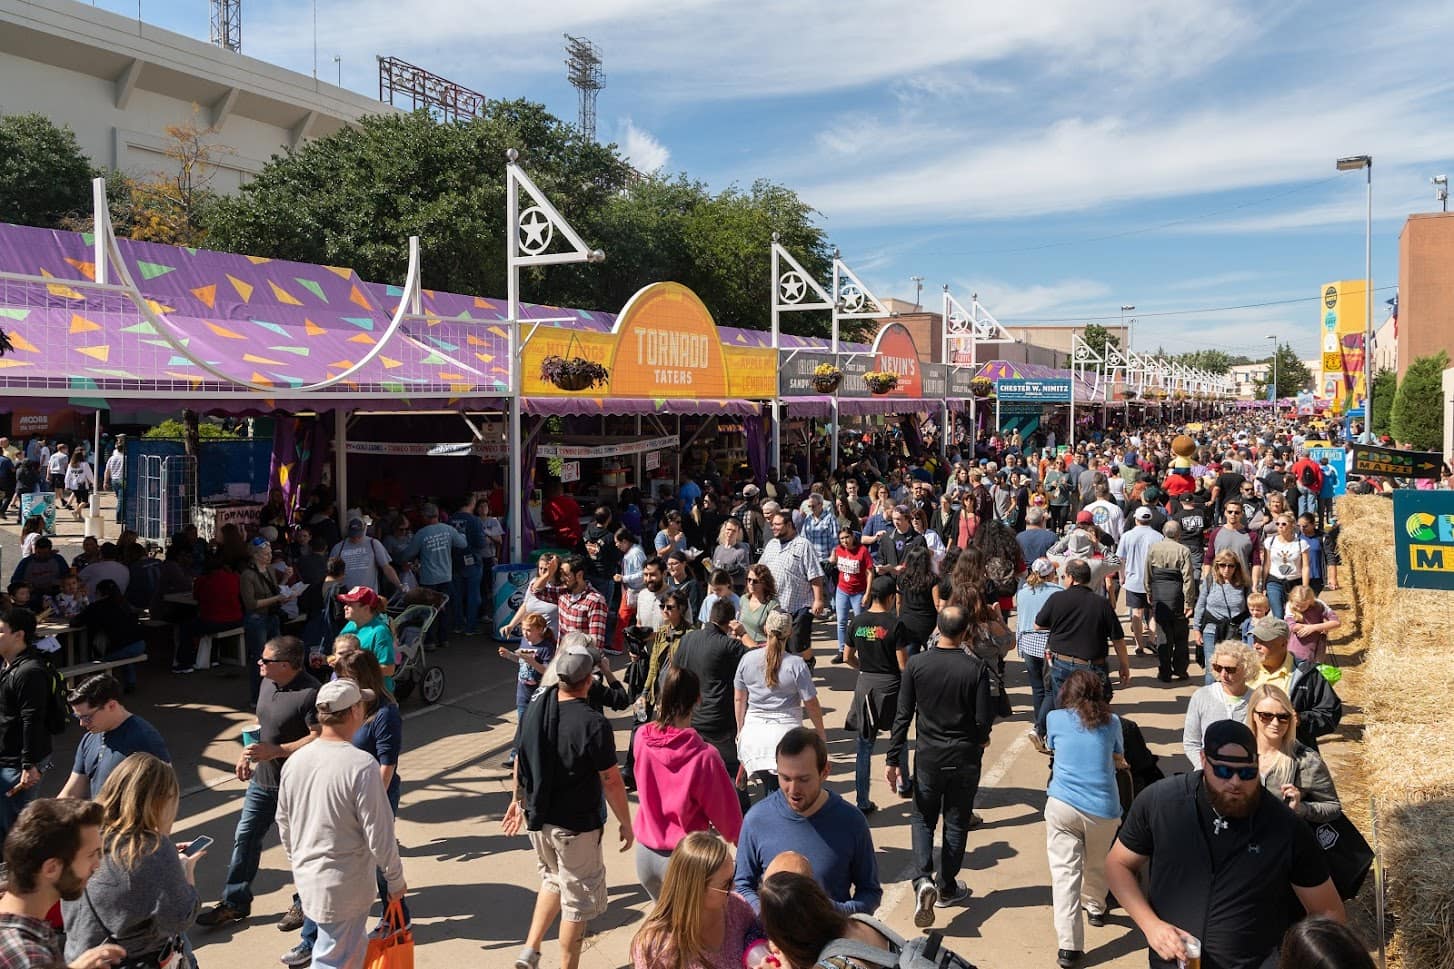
(288, 718)
(1221, 855)
(1318, 708)
(1234, 535)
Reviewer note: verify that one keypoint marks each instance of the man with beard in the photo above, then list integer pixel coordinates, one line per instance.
(1222, 854)
(51, 852)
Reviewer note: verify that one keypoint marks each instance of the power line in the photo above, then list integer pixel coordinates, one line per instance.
(1022, 321)
(1138, 231)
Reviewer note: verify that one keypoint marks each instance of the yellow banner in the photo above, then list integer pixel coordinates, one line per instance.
(1341, 334)
(665, 346)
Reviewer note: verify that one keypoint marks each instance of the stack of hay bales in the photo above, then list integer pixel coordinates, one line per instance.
(1409, 684)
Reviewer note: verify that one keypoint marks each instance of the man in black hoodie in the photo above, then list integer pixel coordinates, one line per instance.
(25, 742)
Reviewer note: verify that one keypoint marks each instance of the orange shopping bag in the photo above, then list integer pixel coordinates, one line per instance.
(396, 949)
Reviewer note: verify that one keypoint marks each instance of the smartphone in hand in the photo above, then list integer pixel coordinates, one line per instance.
(199, 844)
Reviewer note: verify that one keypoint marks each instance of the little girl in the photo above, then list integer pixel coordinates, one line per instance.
(1310, 620)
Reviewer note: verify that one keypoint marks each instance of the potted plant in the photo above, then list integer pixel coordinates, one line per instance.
(982, 387)
(1179, 395)
(826, 378)
(573, 373)
(1127, 393)
(881, 381)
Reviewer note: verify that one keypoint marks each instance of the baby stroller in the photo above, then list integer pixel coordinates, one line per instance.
(418, 610)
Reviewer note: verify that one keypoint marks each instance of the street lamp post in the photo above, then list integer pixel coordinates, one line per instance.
(1126, 308)
(1352, 164)
(1275, 348)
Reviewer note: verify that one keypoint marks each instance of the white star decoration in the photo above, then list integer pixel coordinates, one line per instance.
(535, 231)
(792, 287)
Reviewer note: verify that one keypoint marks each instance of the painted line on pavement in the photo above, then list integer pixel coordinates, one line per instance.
(904, 881)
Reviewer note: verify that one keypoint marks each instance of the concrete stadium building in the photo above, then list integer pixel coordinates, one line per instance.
(118, 83)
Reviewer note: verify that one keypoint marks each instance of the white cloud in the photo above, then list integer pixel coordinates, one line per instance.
(641, 148)
(1008, 301)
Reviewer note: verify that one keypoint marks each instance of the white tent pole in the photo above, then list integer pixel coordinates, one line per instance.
(777, 404)
(515, 469)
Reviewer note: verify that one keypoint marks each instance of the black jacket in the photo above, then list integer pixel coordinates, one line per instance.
(24, 693)
(1319, 711)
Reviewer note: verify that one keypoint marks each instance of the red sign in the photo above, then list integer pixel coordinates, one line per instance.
(894, 351)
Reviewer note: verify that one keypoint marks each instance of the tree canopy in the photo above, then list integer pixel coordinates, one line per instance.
(44, 177)
(1385, 389)
(354, 197)
(1292, 374)
(1418, 407)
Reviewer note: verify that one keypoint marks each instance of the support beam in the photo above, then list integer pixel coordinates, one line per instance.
(301, 130)
(126, 83)
(340, 460)
(221, 109)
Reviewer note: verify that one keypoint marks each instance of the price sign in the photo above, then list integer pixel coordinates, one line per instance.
(653, 460)
(570, 471)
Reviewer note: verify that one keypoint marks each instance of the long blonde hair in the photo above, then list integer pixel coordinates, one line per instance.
(672, 934)
(779, 629)
(1299, 601)
(1287, 747)
(134, 802)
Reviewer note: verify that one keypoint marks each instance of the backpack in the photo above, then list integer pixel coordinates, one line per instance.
(921, 952)
(57, 713)
(1308, 477)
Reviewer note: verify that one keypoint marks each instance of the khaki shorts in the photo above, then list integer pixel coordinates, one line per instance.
(571, 865)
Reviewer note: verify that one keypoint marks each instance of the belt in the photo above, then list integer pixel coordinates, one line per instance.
(1076, 660)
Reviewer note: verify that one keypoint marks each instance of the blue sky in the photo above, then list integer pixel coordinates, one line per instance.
(1060, 159)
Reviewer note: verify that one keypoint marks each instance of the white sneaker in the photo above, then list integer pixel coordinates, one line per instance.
(527, 959)
(925, 897)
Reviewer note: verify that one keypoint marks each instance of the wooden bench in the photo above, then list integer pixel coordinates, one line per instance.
(69, 673)
(204, 648)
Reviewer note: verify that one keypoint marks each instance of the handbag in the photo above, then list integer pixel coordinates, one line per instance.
(163, 958)
(393, 949)
(1347, 853)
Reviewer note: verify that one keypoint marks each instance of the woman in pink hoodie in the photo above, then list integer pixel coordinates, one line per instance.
(681, 783)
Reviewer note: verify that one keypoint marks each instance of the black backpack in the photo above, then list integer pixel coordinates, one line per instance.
(1308, 477)
(922, 952)
(57, 713)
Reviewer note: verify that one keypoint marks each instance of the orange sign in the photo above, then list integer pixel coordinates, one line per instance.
(665, 345)
(894, 351)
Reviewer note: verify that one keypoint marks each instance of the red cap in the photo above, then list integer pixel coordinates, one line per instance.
(1084, 518)
(361, 595)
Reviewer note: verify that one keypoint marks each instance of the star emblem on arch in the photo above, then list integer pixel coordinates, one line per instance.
(535, 231)
(791, 287)
(852, 299)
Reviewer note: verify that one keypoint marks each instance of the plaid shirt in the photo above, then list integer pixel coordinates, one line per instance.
(28, 943)
(793, 565)
(822, 533)
(582, 612)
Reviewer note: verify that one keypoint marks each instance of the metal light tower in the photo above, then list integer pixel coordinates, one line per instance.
(1125, 334)
(1352, 164)
(227, 24)
(584, 71)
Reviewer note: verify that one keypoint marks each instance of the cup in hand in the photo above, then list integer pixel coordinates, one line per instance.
(251, 734)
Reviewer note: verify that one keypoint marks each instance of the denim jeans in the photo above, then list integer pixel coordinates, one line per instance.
(464, 600)
(1041, 699)
(10, 807)
(950, 794)
(1060, 671)
(309, 936)
(1277, 590)
(257, 629)
(846, 606)
(862, 770)
(259, 810)
(127, 673)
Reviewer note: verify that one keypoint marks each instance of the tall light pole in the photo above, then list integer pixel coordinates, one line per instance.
(1275, 348)
(1126, 308)
(1352, 164)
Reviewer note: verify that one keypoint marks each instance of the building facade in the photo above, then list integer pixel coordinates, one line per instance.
(119, 83)
(1425, 287)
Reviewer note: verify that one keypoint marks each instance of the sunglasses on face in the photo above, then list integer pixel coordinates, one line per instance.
(1226, 772)
(1219, 670)
(1266, 718)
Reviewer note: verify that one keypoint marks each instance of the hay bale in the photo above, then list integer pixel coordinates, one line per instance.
(1404, 754)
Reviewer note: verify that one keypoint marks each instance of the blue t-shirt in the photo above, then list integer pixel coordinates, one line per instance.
(382, 735)
(835, 840)
(375, 637)
(1084, 776)
(1315, 555)
(1035, 542)
(527, 679)
(99, 753)
(875, 524)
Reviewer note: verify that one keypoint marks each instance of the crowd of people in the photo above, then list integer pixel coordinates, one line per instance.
(693, 615)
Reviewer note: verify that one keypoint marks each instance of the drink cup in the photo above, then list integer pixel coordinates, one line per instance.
(1193, 958)
(251, 734)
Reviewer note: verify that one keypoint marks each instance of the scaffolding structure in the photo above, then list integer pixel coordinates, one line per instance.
(583, 69)
(418, 88)
(165, 496)
(227, 24)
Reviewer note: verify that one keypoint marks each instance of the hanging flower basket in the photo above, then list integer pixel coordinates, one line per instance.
(982, 387)
(573, 373)
(1127, 395)
(1179, 395)
(1156, 393)
(881, 381)
(826, 378)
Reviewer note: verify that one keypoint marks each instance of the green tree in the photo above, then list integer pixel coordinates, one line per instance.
(1385, 387)
(44, 176)
(1292, 374)
(1097, 337)
(1418, 407)
(1212, 361)
(354, 198)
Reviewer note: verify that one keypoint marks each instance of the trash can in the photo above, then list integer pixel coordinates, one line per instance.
(507, 592)
(42, 503)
